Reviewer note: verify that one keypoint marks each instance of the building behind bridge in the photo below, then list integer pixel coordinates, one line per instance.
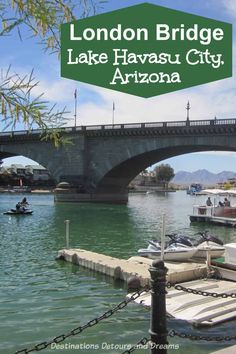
(29, 175)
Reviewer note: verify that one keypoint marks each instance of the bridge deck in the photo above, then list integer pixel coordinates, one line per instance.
(118, 129)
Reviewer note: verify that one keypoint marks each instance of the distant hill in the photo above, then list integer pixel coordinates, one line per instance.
(202, 176)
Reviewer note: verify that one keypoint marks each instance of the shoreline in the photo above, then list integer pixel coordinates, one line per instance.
(15, 191)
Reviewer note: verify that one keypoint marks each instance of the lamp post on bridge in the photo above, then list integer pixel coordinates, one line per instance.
(113, 114)
(188, 109)
(75, 97)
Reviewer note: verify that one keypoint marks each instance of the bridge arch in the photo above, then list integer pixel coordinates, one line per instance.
(120, 175)
(104, 159)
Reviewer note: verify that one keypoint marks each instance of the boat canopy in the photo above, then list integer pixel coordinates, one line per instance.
(218, 191)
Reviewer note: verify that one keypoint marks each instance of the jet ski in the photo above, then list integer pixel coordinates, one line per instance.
(181, 247)
(173, 252)
(20, 209)
(205, 242)
(18, 212)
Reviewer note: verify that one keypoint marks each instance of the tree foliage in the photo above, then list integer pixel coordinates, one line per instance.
(164, 173)
(43, 19)
(17, 106)
(227, 186)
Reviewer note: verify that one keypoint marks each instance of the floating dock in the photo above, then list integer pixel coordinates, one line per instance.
(195, 308)
(228, 350)
(219, 220)
(136, 267)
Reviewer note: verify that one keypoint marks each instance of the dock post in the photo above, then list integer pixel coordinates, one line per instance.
(208, 260)
(67, 222)
(158, 330)
(163, 234)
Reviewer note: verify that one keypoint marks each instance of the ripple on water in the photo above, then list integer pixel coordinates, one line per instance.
(41, 298)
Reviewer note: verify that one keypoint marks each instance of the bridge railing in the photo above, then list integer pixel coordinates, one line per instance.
(113, 126)
(185, 123)
(176, 124)
(201, 122)
(153, 125)
(225, 121)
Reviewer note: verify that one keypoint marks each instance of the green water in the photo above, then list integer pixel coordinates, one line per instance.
(41, 298)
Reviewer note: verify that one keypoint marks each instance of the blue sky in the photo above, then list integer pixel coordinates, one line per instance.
(95, 103)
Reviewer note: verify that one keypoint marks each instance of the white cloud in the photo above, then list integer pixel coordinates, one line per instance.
(230, 7)
(60, 90)
(220, 153)
(207, 101)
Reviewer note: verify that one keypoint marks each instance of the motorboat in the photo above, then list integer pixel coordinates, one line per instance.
(223, 213)
(194, 188)
(18, 212)
(205, 243)
(203, 212)
(171, 252)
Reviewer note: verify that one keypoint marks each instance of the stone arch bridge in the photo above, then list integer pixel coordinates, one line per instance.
(101, 160)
